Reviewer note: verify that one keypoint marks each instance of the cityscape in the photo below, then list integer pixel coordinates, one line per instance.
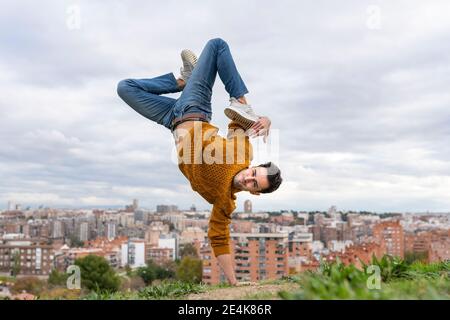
(265, 245)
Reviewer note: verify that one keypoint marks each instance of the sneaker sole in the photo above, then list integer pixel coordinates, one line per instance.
(189, 57)
(236, 116)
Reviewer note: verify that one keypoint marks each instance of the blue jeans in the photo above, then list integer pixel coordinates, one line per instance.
(144, 95)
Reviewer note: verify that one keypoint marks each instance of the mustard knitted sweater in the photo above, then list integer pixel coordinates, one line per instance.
(210, 163)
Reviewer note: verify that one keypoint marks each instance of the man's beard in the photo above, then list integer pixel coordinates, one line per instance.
(237, 182)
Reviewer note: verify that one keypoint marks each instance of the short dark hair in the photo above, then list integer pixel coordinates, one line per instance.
(273, 175)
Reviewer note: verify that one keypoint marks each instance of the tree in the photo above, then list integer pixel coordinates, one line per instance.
(165, 271)
(56, 278)
(190, 270)
(75, 243)
(16, 266)
(153, 271)
(188, 250)
(97, 274)
(147, 274)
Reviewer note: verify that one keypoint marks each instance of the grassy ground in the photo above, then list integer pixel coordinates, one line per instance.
(397, 280)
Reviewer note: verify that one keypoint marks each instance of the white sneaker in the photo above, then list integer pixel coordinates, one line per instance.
(241, 113)
(189, 62)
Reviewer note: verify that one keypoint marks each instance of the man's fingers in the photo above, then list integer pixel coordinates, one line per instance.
(256, 125)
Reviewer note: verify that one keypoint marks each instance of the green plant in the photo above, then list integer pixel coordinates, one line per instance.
(16, 266)
(97, 274)
(56, 278)
(169, 289)
(390, 267)
(400, 280)
(190, 270)
(411, 257)
(152, 271)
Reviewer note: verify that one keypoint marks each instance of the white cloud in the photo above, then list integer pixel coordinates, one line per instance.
(362, 114)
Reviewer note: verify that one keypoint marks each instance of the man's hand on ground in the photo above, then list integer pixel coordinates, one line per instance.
(244, 283)
(260, 128)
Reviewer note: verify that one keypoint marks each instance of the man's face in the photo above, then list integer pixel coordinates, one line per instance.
(253, 179)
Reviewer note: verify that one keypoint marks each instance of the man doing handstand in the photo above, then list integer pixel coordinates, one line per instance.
(216, 167)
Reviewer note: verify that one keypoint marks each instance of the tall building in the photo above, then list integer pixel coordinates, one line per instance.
(111, 230)
(333, 214)
(390, 235)
(139, 216)
(170, 242)
(300, 250)
(162, 208)
(133, 253)
(247, 206)
(135, 204)
(57, 229)
(257, 256)
(152, 236)
(211, 273)
(84, 232)
(11, 206)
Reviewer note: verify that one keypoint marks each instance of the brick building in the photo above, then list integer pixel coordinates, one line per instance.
(257, 256)
(158, 255)
(389, 234)
(439, 251)
(212, 273)
(66, 256)
(356, 253)
(29, 257)
(243, 226)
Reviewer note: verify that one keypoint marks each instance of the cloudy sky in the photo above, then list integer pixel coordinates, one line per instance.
(358, 94)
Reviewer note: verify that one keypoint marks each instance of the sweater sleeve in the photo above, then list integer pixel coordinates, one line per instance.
(235, 129)
(219, 231)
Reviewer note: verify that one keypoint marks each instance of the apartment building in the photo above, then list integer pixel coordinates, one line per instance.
(26, 258)
(257, 256)
(389, 234)
(158, 255)
(439, 251)
(355, 254)
(67, 256)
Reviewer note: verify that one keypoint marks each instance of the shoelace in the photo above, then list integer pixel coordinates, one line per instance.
(247, 107)
(249, 110)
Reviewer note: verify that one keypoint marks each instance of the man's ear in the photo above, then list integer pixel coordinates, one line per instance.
(256, 193)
